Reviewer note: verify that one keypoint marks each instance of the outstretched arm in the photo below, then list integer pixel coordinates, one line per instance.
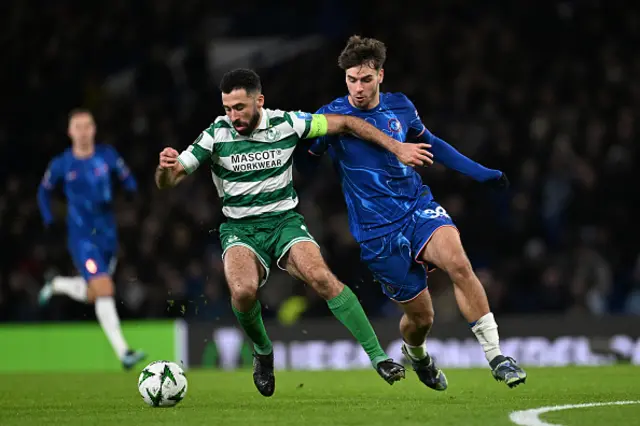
(450, 157)
(408, 154)
(308, 152)
(447, 155)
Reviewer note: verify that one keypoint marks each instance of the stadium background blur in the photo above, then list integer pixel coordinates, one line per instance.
(546, 91)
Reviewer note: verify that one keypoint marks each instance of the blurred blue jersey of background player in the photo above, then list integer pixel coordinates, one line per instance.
(85, 170)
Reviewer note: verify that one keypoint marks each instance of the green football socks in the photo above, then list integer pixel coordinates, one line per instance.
(345, 307)
(348, 310)
(253, 326)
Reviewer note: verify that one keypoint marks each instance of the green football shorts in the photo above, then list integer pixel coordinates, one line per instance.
(270, 238)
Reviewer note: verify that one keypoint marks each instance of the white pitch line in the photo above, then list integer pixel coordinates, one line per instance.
(532, 417)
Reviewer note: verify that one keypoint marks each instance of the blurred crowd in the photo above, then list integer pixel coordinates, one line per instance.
(548, 92)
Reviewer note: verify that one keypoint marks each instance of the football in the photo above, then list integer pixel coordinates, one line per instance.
(162, 384)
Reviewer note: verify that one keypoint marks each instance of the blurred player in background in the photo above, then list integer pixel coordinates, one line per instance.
(394, 218)
(85, 171)
(250, 154)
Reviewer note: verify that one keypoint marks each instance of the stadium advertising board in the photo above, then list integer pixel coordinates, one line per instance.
(79, 347)
(326, 345)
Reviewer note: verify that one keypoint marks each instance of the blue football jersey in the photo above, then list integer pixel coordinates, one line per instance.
(379, 190)
(87, 186)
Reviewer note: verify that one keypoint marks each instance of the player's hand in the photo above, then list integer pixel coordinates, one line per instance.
(414, 154)
(168, 158)
(501, 183)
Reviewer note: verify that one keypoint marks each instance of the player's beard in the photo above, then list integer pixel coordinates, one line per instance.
(365, 102)
(249, 127)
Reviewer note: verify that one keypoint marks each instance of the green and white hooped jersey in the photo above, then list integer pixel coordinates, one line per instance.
(254, 174)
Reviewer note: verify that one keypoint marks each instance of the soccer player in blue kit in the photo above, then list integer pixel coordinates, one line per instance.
(396, 221)
(85, 170)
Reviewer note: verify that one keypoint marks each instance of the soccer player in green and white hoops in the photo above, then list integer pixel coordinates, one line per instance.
(250, 151)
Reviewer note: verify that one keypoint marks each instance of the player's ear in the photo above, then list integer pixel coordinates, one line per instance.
(260, 100)
(380, 75)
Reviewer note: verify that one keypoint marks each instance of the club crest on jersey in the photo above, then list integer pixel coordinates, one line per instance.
(272, 134)
(394, 125)
(72, 175)
(102, 169)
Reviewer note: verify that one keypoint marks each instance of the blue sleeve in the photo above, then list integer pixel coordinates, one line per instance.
(448, 156)
(116, 162)
(415, 125)
(51, 177)
(444, 153)
(308, 152)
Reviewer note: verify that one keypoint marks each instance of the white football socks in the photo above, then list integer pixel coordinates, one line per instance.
(416, 352)
(74, 287)
(486, 331)
(110, 323)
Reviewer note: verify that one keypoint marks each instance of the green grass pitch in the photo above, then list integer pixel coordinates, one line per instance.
(323, 398)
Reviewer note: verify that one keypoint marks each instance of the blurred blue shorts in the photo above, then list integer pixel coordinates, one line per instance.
(91, 259)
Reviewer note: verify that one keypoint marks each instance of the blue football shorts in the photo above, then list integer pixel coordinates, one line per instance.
(92, 259)
(393, 259)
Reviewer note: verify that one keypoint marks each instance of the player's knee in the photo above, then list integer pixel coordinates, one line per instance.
(417, 323)
(423, 319)
(459, 268)
(243, 293)
(101, 286)
(324, 283)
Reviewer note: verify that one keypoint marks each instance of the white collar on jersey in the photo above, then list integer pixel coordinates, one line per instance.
(264, 120)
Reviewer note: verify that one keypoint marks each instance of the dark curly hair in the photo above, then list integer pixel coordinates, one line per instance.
(241, 78)
(363, 51)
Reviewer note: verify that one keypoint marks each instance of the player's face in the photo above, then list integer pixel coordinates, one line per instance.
(82, 129)
(243, 109)
(363, 83)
